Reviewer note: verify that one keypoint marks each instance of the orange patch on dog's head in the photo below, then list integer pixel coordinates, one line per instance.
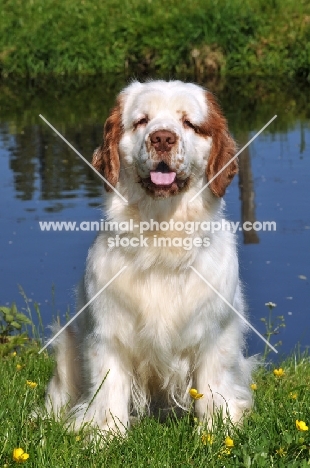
(106, 158)
(222, 151)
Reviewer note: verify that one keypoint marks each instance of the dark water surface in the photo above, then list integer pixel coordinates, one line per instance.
(44, 180)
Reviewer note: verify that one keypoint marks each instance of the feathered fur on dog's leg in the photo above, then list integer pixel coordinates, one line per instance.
(63, 389)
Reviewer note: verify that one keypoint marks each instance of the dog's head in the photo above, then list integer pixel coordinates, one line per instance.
(171, 134)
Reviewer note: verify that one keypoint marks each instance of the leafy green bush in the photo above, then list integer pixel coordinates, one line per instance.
(12, 333)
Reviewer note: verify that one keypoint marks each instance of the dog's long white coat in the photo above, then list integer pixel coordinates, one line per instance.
(158, 329)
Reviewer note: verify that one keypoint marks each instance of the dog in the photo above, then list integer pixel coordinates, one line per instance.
(163, 325)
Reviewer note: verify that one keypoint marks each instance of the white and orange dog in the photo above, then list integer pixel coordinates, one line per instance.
(158, 329)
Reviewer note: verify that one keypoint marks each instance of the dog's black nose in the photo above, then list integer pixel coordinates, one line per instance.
(163, 140)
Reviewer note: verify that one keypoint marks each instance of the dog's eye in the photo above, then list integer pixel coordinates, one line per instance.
(141, 122)
(188, 124)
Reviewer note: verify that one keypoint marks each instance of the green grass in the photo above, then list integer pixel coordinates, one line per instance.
(268, 436)
(192, 38)
(279, 401)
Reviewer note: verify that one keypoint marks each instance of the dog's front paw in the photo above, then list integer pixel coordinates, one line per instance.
(91, 416)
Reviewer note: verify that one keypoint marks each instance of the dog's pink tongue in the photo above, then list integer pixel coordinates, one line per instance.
(162, 178)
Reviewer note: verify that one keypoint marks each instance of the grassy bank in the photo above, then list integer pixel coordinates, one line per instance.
(200, 38)
(275, 433)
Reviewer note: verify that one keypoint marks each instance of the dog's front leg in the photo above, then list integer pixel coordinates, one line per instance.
(106, 398)
(225, 385)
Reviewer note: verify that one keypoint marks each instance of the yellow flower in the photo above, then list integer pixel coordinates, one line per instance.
(301, 425)
(19, 367)
(225, 451)
(13, 354)
(281, 452)
(206, 438)
(253, 386)
(194, 394)
(293, 395)
(229, 442)
(31, 384)
(279, 372)
(77, 438)
(19, 455)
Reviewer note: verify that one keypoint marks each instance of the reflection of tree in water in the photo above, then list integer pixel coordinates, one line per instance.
(39, 154)
(246, 186)
(22, 164)
(42, 164)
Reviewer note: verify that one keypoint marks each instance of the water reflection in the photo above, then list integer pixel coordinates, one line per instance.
(246, 187)
(41, 161)
(43, 179)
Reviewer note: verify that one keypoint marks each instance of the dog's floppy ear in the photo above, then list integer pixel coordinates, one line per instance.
(222, 151)
(106, 157)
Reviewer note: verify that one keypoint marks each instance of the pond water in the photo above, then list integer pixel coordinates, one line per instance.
(44, 180)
